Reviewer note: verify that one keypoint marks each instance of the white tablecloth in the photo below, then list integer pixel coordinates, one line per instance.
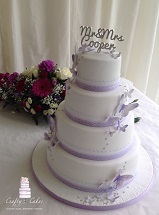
(18, 137)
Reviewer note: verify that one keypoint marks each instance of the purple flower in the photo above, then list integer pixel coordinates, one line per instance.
(46, 66)
(12, 77)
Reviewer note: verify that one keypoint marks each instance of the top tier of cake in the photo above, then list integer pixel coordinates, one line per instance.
(96, 91)
(98, 71)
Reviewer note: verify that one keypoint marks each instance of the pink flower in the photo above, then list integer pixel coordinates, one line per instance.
(1, 82)
(6, 75)
(20, 86)
(42, 87)
(54, 82)
(38, 108)
(63, 94)
(1, 76)
(43, 74)
(23, 103)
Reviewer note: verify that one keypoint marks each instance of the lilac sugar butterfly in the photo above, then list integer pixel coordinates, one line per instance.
(47, 136)
(129, 93)
(119, 179)
(122, 128)
(85, 48)
(127, 108)
(51, 123)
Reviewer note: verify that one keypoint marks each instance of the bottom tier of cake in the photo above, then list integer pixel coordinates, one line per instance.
(118, 198)
(91, 175)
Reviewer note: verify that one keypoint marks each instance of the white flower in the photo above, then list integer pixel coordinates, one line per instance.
(27, 105)
(45, 112)
(32, 111)
(25, 109)
(34, 70)
(50, 111)
(46, 101)
(53, 105)
(29, 100)
(64, 73)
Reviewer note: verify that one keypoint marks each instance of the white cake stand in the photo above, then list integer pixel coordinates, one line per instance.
(128, 194)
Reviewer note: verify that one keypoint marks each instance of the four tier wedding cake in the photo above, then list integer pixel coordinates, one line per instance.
(93, 146)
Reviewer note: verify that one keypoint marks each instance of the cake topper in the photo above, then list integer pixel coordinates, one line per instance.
(87, 33)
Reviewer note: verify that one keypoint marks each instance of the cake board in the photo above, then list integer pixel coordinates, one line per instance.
(127, 195)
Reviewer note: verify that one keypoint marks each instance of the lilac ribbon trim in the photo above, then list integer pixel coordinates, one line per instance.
(89, 207)
(83, 188)
(83, 206)
(89, 123)
(99, 88)
(130, 146)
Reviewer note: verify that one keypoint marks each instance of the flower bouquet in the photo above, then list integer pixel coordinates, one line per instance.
(38, 90)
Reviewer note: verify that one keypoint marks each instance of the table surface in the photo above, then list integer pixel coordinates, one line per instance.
(18, 138)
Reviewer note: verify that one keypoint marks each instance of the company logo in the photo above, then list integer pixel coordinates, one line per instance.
(25, 200)
(24, 190)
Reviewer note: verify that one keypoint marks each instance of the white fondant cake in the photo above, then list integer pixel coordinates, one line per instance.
(93, 140)
(88, 174)
(93, 67)
(93, 106)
